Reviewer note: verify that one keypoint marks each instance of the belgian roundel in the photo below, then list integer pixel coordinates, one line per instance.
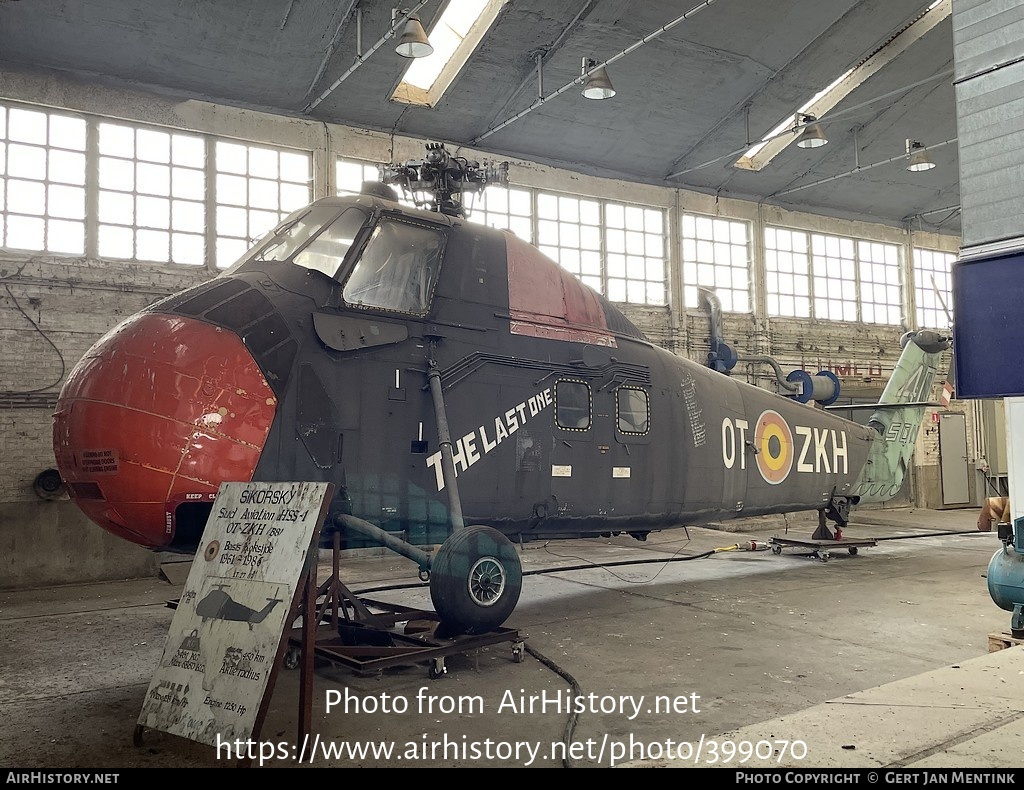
(773, 441)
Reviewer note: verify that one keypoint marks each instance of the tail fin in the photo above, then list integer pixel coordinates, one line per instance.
(899, 414)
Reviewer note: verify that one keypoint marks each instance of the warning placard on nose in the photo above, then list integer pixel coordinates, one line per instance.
(234, 609)
(98, 462)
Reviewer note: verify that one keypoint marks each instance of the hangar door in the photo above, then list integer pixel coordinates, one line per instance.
(953, 459)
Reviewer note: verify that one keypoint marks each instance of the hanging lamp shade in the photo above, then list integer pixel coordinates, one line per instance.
(597, 85)
(413, 42)
(812, 135)
(919, 159)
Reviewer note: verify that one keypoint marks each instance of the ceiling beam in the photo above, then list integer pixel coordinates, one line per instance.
(582, 78)
(909, 34)
(339, 31)
(860, 169)
(543, 53)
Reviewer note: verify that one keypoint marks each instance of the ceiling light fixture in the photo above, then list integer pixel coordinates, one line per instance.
(413, 42)
(812, 135)
(918, 156)
(597, 85)
(455, 35)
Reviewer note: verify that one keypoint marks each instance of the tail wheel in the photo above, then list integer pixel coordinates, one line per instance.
(475, 580)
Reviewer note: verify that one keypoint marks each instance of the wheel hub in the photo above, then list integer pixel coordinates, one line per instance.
(486, 581)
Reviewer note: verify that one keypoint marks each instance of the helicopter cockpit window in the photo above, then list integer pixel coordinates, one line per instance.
(634, 410)
(317, 239)
(572, 405)
(397, 269)
(327, 250)
(293, 233)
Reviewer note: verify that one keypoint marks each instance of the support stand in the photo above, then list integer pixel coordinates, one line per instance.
(823, 541)
(368, 636)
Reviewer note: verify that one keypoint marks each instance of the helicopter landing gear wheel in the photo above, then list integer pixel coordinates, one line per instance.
(475, 580)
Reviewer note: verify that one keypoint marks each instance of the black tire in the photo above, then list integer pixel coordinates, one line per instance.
(475, 580)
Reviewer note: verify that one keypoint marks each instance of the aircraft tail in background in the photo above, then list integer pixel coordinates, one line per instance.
(898, 414)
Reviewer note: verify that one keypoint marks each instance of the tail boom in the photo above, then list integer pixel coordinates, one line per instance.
(899, 414)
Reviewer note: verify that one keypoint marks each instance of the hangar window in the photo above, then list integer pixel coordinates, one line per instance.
(506, 208)
(42, 175)
(634, 410)
(635, 254)
(152, 191)
(933, 288)
(879, 269)
(855, 280)
(569, 231)
(615, 248)
(397, 268)
(834, 268)
(834, 278)
(572, 404)
(256, 187)
(716, 255)
(350, 175)
(787, 273)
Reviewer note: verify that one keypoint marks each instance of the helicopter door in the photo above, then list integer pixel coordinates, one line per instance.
(579, 468)
(633, 489)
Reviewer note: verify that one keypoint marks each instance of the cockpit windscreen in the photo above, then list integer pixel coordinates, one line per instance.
(397, 269)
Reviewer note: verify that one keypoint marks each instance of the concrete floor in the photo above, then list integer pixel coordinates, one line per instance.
(755, 636)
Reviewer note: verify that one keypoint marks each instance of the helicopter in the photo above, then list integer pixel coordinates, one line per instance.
(457, 387)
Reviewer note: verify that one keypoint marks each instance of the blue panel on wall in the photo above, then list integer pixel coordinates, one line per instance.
(988, 326)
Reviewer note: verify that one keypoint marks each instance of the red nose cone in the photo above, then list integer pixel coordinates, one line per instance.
(161, 411)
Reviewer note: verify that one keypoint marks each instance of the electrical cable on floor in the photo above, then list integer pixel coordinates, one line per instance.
(570, 724)
(605, 566)
(649, 561)
(932, 535)
(592, 566)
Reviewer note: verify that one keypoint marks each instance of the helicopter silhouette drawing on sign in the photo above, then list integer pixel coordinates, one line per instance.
(458, 387)
(219, 605)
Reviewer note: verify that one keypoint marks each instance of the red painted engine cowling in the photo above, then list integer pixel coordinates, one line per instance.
(160, 411)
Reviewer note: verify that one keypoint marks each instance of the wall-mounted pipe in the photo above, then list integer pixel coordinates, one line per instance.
(709, 299)
(721, 356)
(791, 387)
(798, 384)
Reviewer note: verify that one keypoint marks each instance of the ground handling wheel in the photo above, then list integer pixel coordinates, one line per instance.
(475, 580)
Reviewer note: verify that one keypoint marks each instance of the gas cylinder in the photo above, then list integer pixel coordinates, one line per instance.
(1006, 574)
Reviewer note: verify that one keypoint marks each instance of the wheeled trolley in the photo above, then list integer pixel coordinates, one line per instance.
(823, 542)
(822, 549)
